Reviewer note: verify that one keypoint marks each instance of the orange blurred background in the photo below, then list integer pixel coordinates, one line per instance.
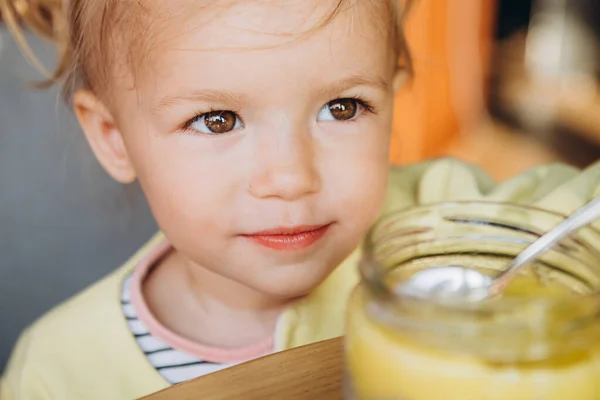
(451, 44)
(474, 92)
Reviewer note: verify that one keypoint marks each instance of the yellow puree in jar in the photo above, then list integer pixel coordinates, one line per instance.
(386, 364)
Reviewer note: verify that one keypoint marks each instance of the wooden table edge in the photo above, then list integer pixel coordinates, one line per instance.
(311, 371)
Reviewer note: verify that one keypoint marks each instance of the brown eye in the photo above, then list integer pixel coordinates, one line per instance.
(343, 109)
(215, 122)
(220, 121)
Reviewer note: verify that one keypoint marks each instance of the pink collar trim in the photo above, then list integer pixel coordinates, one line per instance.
(157, 329)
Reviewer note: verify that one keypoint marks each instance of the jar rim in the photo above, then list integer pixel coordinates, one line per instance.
(374, 273)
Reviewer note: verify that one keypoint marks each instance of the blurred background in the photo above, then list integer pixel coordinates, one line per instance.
(505, 84)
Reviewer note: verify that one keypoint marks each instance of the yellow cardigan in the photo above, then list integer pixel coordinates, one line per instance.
(84, 350)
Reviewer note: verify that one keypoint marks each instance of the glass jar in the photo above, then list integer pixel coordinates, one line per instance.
(540, 340)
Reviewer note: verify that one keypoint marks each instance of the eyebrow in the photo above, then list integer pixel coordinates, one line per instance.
(204, 95)
(361, 79)
(234, 100)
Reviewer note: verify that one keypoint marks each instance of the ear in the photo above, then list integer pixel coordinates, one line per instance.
(401, 76)
(103, 135)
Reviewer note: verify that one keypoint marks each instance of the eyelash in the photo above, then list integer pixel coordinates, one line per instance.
(186, 127)
(364, 104)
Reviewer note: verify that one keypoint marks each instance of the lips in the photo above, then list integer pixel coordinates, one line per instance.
(289, 238)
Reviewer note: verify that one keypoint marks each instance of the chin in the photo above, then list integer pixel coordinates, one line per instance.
(294, 285)
(291, 290)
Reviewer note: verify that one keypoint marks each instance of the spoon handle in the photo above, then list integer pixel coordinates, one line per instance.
(575, 221)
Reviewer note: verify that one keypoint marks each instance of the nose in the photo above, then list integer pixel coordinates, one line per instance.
(286, 167)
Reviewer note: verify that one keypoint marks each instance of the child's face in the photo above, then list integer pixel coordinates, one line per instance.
(285, 150)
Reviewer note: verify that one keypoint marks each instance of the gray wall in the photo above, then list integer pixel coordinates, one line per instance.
(63, 222)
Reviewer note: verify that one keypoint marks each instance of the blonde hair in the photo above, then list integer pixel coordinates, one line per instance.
(82, 31)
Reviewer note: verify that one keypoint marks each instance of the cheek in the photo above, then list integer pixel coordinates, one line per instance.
(358, 175)
(364, 186)
(188, 186)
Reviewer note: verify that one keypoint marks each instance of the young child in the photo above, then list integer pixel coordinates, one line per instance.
(259, 132)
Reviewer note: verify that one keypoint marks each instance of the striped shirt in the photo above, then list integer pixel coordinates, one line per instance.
(163, 349)
(174, 365)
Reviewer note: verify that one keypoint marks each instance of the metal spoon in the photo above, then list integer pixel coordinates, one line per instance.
(458, 283)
